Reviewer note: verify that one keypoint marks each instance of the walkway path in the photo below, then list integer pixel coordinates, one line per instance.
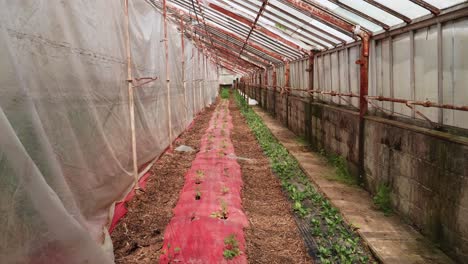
(208, 221)
(390, 239)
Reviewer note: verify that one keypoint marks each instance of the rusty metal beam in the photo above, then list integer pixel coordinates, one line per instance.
(434, 10)
(226, 49)
(275, 17)
(273, 54)
(387, 9)
(232, 45)
(259, 14)
(229, 53)
(361, 14)
(251, 44)
(307, 23)
(249, 23)
(324, 16)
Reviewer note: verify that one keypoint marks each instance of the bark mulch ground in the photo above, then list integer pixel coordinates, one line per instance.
(138, 237)
(272, 235)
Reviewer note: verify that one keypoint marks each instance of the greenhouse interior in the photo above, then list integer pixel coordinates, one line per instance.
(241, 131)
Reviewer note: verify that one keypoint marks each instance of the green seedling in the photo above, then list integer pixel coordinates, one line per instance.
(337, 241)
(197, 194)
(222, 213)
(231, 247)
(199, 176)
(224, 190)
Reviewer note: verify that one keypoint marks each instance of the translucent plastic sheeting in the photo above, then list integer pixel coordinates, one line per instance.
(337, 71)
(65, 148)
(395, 65)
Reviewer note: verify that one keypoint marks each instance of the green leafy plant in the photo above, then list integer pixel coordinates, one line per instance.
(231, 247)
(382, 199)
(337, 242)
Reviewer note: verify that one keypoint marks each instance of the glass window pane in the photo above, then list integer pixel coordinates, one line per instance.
(405, 7)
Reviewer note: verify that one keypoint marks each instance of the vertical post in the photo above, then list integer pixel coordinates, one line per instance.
(311, 72)
(390, 58)
(204, 81)
(265, 81)
(275, 85)
(131, 102)
(193, 82)
(412, 73)
(184, 81)
(168, 90)
(364, 77)
(287, 85)
(199, 82)
(440, 68)
(363, 91)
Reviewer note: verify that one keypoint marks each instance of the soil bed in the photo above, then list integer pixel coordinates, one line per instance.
(272, 235)
(138, 237)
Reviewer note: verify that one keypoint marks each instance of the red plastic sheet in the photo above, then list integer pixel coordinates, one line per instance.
(212, 192)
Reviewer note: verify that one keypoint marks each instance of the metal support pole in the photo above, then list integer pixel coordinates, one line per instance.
(193, 83)
(287, 84)
(184, 81)
(168, 90)
(131, 101)
(363, 91)
(440, 72)
(275, 85)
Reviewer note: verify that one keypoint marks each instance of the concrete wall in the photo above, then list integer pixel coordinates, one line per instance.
(428, 175)
(427, 170)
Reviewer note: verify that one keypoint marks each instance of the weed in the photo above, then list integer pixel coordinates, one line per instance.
(231, 247)
(341, 168)
(382, 199)
(221, 213)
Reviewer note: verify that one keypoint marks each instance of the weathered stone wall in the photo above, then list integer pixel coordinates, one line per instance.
(280, 108)
(270, 105)
(427, 172)
(336, 131)
(296, 115)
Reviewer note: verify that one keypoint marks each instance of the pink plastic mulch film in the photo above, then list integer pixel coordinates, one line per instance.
(208, 220)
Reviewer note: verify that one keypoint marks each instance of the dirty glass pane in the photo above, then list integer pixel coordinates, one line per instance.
(373, 11)
(310, 20)
(405, 7)
(441, 4)
(349, 15)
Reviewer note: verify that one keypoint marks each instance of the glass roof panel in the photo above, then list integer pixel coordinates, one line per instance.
(349, 15)
(310, 20)
(373, 11)
(405, 7)
(445, 3)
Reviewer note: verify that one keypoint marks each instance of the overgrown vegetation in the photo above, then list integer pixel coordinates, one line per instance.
(231, 247)
(341, 169)
(382, 199)
(336, 241)
(224, 93)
